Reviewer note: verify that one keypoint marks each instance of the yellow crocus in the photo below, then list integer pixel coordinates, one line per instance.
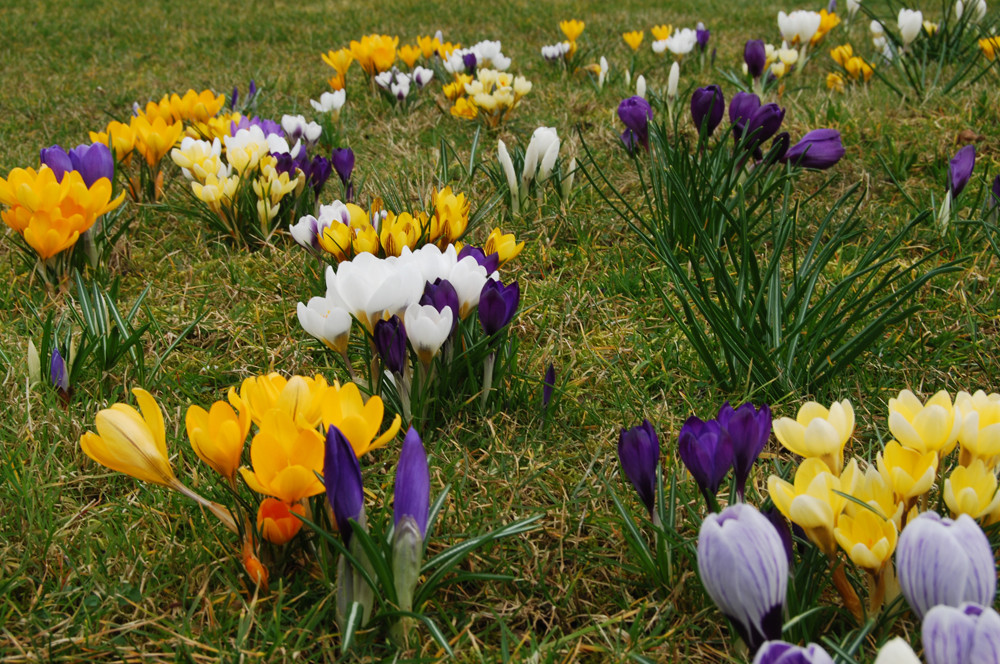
(285, 458)
(818, 432)
(218, 434)
(277, 522)
(364, 240)
(972, 490)
(408, 54)
(989, 47)
(300, 397)
(868, 539)
(930, 427)
(399, 231)
(464, 108)
(835, 82)
(811, 501)
(875, 490)
(428, 46)
(505, 246)
(572, 29)
(118, 136)
(857, 68)
(450, 217)
(375, 53)
(828, 21)
(634, 39)
(910, 472)
(841, 54)
(336, 240)
(930, 28)
(340, 60)
(155, 138)
(661, 32)
(195, 106)
(980, 432)
(359, 421)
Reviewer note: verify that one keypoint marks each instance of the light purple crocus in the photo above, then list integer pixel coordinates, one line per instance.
(779, 652)
(749, 429)
(411, 497)
(497, 305)
(56, 158)
(945, 561)
(820, 148)
(707, 106)
(639, 454)
(93, 162)
(342, 475)
(960, 169)
(968, 634)
(755, 55)
(707, 453)
(743, 566)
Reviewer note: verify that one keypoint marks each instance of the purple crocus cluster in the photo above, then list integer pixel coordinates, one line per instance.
(267, 126)
(92, 162)
(316, 170)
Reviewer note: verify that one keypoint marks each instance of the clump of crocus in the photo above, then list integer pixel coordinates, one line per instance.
(490, 96)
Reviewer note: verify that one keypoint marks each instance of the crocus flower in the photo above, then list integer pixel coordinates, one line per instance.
(749, 429)
(741, 108)
(779, 652)
(910, 22)
(325, 319)
(358, 419)
(93, 162)
(217, 436)
(55, 157)
(673, 80)
(773, 515)
(755, 57)
(390, 341)
(635, 113)
(639, 454)
(707, 105)
(967, 634)
(896, 651)
(945, 561)
(960, 169)
(818, 432)
(428, 329)
(707, 452)
(930, 427)
(441, 295)
(820, 148)
(277, 522)
(58, 371)
(342, 474)
(343, 164)
(702, 35)
(491, 261)
(744, 568)
(548, 385)
(497, 305)
(764, 123)
(413, 483)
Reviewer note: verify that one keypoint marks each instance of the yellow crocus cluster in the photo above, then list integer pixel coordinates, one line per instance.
(341, 61)
(375, 53)
(151, 135)
(492, 95)
(51, 214)
(855, 66)
(192, 107)
(271, 187)
(408, 53)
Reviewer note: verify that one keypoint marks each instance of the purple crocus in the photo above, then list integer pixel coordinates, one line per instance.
(968, 634)
(764, 123)
(945, 561)
(779, 146)
(343, 163)
(440, 294)
(55, 157)
(93, 162)
(707, 453)
(497, 305)
(639, 454)
(58, 371)
(234, 98)
(319, 172)
(702, 35)
(491, 262)
(413, 483)
(820, 148)
(548, 385)
(779, 652)
(269, 127)
(707, 107)
(635, 113)
(342, 475)
(741, 109)
(755, 55)
(743, 566)
(748, 430)
(470, 62)
(995, 191)
(960, 169)
(390, 342)
(630, 141)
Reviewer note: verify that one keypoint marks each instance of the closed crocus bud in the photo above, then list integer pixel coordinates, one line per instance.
(944, 561)
(744, 568)
(764, 123)
(413, 482)
(640, 85)
(548, 385)
(635, 113)
(277, 522)
(702, 35)
(34, 363)
(93, 162)
(342, 474)
(507, 164)
(779, 652)
(896, 651)
(390, 341)
(755, 57)
(967, 634)
(497, 305)
(749, 430)
(55, 157)
(707, 453)
(707, 107)
(58, 372)
(639, 454)
(820, 148)
(960, 169)
(343, 163)
(742, 107)
(852, 8)
(673, 80)
(440, 294)
(910, 23)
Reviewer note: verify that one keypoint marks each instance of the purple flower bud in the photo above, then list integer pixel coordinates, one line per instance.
(778, 521)
(390, 342)
(252, 92)
(440, 294)
(491, 262)
(945, 561)
(969, 634)
(820, 148)
(749, 430)
(56, 159)
(755, 56)
(779, 146)
(708, 105)
(319, 172)
(343, 163)
(635, 113)
(779, 652)
(58, 372)
(701, 35)
(469, 60)
(342, 475)
(639, 454)
(548, 385)
(497, 305)
(742, 107)
(995, 191)
(831, 8)
(93, 162)
(764, 123)
(234, 98)
(744, 568)
(960, 169)
(707, 452)
(412, 493)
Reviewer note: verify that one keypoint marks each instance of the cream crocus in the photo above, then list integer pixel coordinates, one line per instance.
(812, 502)
(930, 427)
(979, 434)
(910, 472)
(874, 490)
(818, 432)
(972, 490)
(868, 539)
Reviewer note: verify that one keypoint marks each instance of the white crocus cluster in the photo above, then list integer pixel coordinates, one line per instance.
(297, 128)
(799, 26)
(978, 8)
(555, 52)
(910, 22)
(330, 102)
(540, 157)
(395, 82)
(681, 42)
(488, 54)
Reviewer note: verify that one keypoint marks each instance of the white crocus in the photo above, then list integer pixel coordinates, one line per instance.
(852, 8)
(896, 651)
(400, 88)
(673, 80)
(555, 52)
(910, 23)
(468, 277)
(659, 46)
(507, 164)
(799, 26)
(422, 76)
(681, 42)
(640, 85)
(326, 320)
(548, 161)
(427, 329)
(330, 102)
(430, 261)
(296, 127)
(541, 140)
(604, 72)
(373, 288)
(306, 232)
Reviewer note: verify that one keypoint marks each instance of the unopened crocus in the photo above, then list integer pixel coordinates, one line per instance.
(707, 107)
(490, 262)
(635, 113)
(764, 123)
(58, 371)
(741, 108)
(896, 651)
(910, 21)
(277, 522)
(507, 164)
(707, 453)
(749, 429)
(427, 329)
(412, 488)
(945, 561)
(755, 57)
(390, 341)
(497, 305)
(960, 169)
(673, 80)
(548, 385)
(820, 149)
(743, 566)
(342, 474)
(702, 35)
(217, 436)
(639, 454)
(780, 652)
(56, 158)
(966, 634)
(343, 163)
(93, 162)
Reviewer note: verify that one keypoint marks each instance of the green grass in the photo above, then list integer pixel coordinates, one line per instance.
(95, 566)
